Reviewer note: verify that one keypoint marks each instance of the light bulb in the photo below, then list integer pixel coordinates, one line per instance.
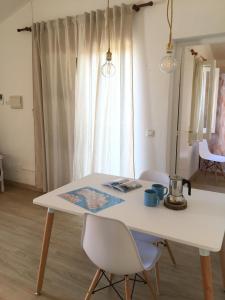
(108, 69)
(168, 63)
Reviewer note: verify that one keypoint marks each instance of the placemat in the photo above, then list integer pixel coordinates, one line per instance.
(91, 199)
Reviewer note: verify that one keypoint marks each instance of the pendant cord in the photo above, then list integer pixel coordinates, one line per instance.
(170, 21)
(108, 27)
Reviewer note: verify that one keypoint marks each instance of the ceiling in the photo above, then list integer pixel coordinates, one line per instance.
(8, 7)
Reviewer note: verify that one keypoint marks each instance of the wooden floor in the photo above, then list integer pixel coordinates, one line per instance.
(69, 271)
(208, 181)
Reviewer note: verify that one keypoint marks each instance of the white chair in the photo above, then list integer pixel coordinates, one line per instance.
(1, 174)
(163, 179)
(110, 246)
(211, 160)
(155, 176)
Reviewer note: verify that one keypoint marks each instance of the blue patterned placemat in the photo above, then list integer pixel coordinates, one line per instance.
(91, 199)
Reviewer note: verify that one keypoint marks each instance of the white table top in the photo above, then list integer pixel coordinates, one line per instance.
(201, 225)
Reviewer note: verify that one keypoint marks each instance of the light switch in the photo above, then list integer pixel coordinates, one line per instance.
(149, 132)
(16, 102)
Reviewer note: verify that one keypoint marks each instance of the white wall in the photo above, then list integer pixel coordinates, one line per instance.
(16, 126)
(192, 18)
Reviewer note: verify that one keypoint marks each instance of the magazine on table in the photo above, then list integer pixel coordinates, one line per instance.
(123, 185)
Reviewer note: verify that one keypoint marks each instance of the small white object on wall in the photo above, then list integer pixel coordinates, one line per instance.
(16, 102)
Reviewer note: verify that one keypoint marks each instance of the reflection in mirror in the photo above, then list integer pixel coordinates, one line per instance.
(203, 107)
(202, 111)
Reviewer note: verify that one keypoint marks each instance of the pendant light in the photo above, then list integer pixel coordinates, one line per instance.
(168, 63)
(108, 69)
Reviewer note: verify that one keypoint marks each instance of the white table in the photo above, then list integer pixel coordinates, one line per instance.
(201, 225)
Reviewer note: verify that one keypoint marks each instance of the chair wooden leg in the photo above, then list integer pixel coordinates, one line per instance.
(221, 169)
(170, 252)
(2, 176)
(157, 277)
(111, 277)
(206, 166)
(93, 284)
(222, 263)
(147, 279)
(216, 169)
(2, 185)
(127, 289)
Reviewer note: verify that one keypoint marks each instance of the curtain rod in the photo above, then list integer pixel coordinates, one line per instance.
(24, 29)
(135, 7)
(194, 53)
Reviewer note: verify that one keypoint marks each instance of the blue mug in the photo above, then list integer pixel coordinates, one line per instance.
(151, 198)
(160, 190)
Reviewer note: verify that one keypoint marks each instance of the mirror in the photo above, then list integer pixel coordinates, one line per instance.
(201, 106)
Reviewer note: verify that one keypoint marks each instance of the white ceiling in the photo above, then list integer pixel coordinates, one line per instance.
(8, 7)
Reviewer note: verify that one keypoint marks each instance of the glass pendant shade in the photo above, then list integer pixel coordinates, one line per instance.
(168, 63)
(108, 69)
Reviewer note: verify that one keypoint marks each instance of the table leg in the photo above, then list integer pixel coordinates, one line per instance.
(207, 274)
(222, 262)
(44, 251)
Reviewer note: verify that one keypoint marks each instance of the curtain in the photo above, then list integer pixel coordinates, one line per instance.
(202, 101)
(103, 135)
(198, 103)
(218, 139)
(54, 57)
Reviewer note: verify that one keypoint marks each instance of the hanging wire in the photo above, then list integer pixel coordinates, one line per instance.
(170, 21)
(108, 69)
(108, 26)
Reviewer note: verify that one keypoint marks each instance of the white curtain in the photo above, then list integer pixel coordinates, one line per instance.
(202, 100)
(54, 56)
(103, 136)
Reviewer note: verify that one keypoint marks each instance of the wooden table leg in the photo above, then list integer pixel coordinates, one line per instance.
(44, 251)
(207, 274)
(222, 262)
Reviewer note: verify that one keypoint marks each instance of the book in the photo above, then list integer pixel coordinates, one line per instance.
(123, 185)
